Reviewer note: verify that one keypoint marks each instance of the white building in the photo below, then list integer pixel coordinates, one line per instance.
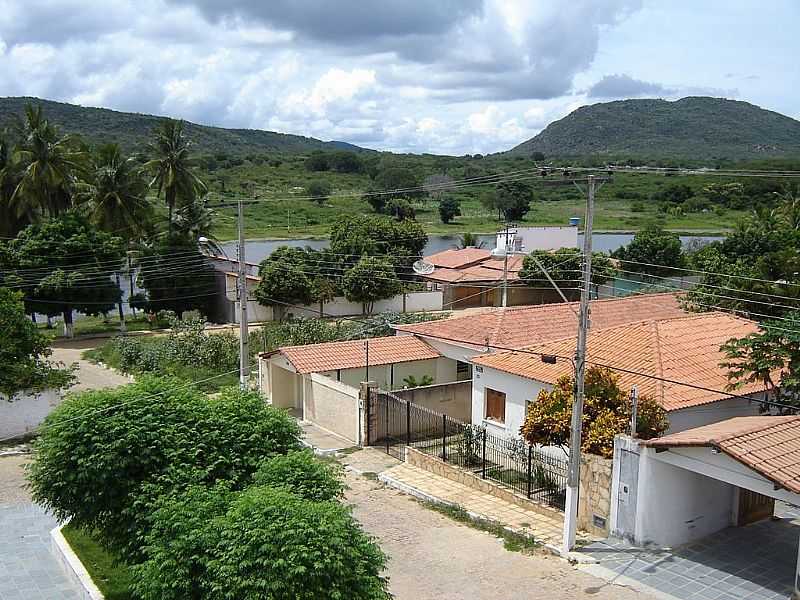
(528, 239)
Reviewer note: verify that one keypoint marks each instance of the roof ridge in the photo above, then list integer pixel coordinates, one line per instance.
(658, 361)
(756, 427)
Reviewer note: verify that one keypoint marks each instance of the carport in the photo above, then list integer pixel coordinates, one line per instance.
(717, 501)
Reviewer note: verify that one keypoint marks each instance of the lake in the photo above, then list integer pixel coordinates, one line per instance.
(257, 250)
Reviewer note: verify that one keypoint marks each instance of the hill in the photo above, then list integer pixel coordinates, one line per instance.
(697, 127)
(133, 130)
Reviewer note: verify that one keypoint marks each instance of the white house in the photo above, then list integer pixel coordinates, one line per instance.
(676, 361)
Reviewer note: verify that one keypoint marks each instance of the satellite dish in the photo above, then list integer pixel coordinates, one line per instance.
(421, 267)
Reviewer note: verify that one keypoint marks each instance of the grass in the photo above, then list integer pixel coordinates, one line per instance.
(112, 578)
(96, 325)
(513, 542)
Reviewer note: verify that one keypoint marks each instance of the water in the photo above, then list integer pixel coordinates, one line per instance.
(258, 250)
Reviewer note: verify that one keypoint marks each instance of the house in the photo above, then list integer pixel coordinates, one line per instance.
(693, 484)
(471, 277)
(650, 354)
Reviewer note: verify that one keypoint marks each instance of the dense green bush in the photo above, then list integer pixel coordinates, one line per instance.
(275, 545)
(105, 456)
(303, 474)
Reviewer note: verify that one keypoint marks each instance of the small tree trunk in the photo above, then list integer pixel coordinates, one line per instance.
(321, 309)
(69, 328)
(170, 197)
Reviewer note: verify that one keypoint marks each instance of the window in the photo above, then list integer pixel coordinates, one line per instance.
(463, 371)
(495, 405)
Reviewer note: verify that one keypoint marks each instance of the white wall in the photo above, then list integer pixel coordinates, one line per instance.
(331, 405)
(697, 416)
(518, 390)
(341, 307)
(26, 411)
(256, 313)
(543, 238)
(676, 506)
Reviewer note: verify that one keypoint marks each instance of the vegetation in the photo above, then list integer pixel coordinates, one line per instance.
(112, 578)
(564, 267)
(693, 127)
(449, 208)
(304, 475)
(770, 357)
(607, 412)
(63, 265)
(104, 457)
(653, 251)
(24, 351)
(369, 280)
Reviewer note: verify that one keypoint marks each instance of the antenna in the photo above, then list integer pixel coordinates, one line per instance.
(421, 267)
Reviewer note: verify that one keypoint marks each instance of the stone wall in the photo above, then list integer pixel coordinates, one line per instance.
(441, 468)
(594, 498)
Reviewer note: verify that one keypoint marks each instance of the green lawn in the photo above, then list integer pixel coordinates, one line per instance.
(113, 579)
(97, 325)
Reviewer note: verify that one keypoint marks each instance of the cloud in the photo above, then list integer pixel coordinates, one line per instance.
(624, 86)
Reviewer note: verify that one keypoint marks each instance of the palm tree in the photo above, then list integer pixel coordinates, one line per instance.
(48, 165)
(171, 168)
(11, 223)
(470, 240)
(195, 221)
(115, 194)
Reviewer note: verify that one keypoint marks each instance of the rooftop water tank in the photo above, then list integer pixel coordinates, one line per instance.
(574, 221)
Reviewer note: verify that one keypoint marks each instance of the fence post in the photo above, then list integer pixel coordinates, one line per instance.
(483, 462)
(408, 423)
(530, 452)
(388, 445)
(368, 401)
(444, 438)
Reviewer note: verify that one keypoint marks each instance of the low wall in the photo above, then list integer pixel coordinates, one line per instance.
(341, 307)
(441, 468)
(332, 406)
(594, 499)
(26, 411)
(451, 399)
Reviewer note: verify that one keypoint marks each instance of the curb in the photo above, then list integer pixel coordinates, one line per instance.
(72, 566)
(391, 482)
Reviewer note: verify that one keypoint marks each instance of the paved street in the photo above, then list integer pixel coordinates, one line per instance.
(89, 376)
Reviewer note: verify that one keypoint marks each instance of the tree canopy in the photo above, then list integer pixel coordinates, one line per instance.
(513, 199)
(358, 235)
(564, 267)
(369, 280)
(285, 278)
(24, 351)
(607, 412)
(652, 251)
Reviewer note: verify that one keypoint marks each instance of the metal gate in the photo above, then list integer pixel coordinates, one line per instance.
(394, 424)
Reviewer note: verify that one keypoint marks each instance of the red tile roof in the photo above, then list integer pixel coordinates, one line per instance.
(523, 326)
(768, 445)
(330, 356)
(471, 265)
(453, 259)
(684, 349)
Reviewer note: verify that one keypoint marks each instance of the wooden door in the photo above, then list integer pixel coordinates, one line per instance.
(754, 507)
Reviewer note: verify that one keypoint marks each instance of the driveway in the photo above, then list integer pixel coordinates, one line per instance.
(28, 569)
(432, 557)
(757, 561)
(89, 376)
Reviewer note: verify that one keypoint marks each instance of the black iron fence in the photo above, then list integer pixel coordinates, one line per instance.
(394, 424)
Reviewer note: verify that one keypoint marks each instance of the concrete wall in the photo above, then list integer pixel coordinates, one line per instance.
(26, 411)
(688, 418)
(542, 238)
(389, 377)
(341, 307)
(331, 405)
(256, 313)
(518, 392)
(284, 385)
(594, 500)
(451, 399)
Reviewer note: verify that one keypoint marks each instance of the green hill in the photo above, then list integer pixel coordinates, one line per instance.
(697, 127)
(132, 130)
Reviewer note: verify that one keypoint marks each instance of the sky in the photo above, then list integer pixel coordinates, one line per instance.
(437, 76)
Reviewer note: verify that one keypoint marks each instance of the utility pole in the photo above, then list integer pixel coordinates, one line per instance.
(505, 268)
(122, 327)
(634, 407)
(573, 480)
(244, 351)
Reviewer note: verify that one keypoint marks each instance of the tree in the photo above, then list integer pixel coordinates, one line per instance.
(357, 235)
(64, 265)
(319, 190)
(514, 199)
(438, 184)
(371, 279)
(564, 267)
(48, 165)
(24, 351)
(449, 207)
(103, 458)
(115, 196)
(303, 474)
(275, 544)
(397, 182)
(177, 277)
(345, 161)
(470, 240)
(14, 217)
(770, 357)
(322, 290)
(317, 161)
(285, 279)
(171, 168)
(607, 412)
(652, 251)
(400, 209)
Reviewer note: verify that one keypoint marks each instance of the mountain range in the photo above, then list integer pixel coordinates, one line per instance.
(696, 127)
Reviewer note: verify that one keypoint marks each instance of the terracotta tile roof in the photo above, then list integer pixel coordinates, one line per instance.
(522, 326)
(329, 356)
(684, 349)
(768, 445)
(453, 259)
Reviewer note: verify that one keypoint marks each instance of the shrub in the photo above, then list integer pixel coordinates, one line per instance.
(104, 457)
(400, 209)
(449, 208)
(302, 474)
(274, 544)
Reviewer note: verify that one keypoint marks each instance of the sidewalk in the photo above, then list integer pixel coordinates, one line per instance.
(429, 486)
